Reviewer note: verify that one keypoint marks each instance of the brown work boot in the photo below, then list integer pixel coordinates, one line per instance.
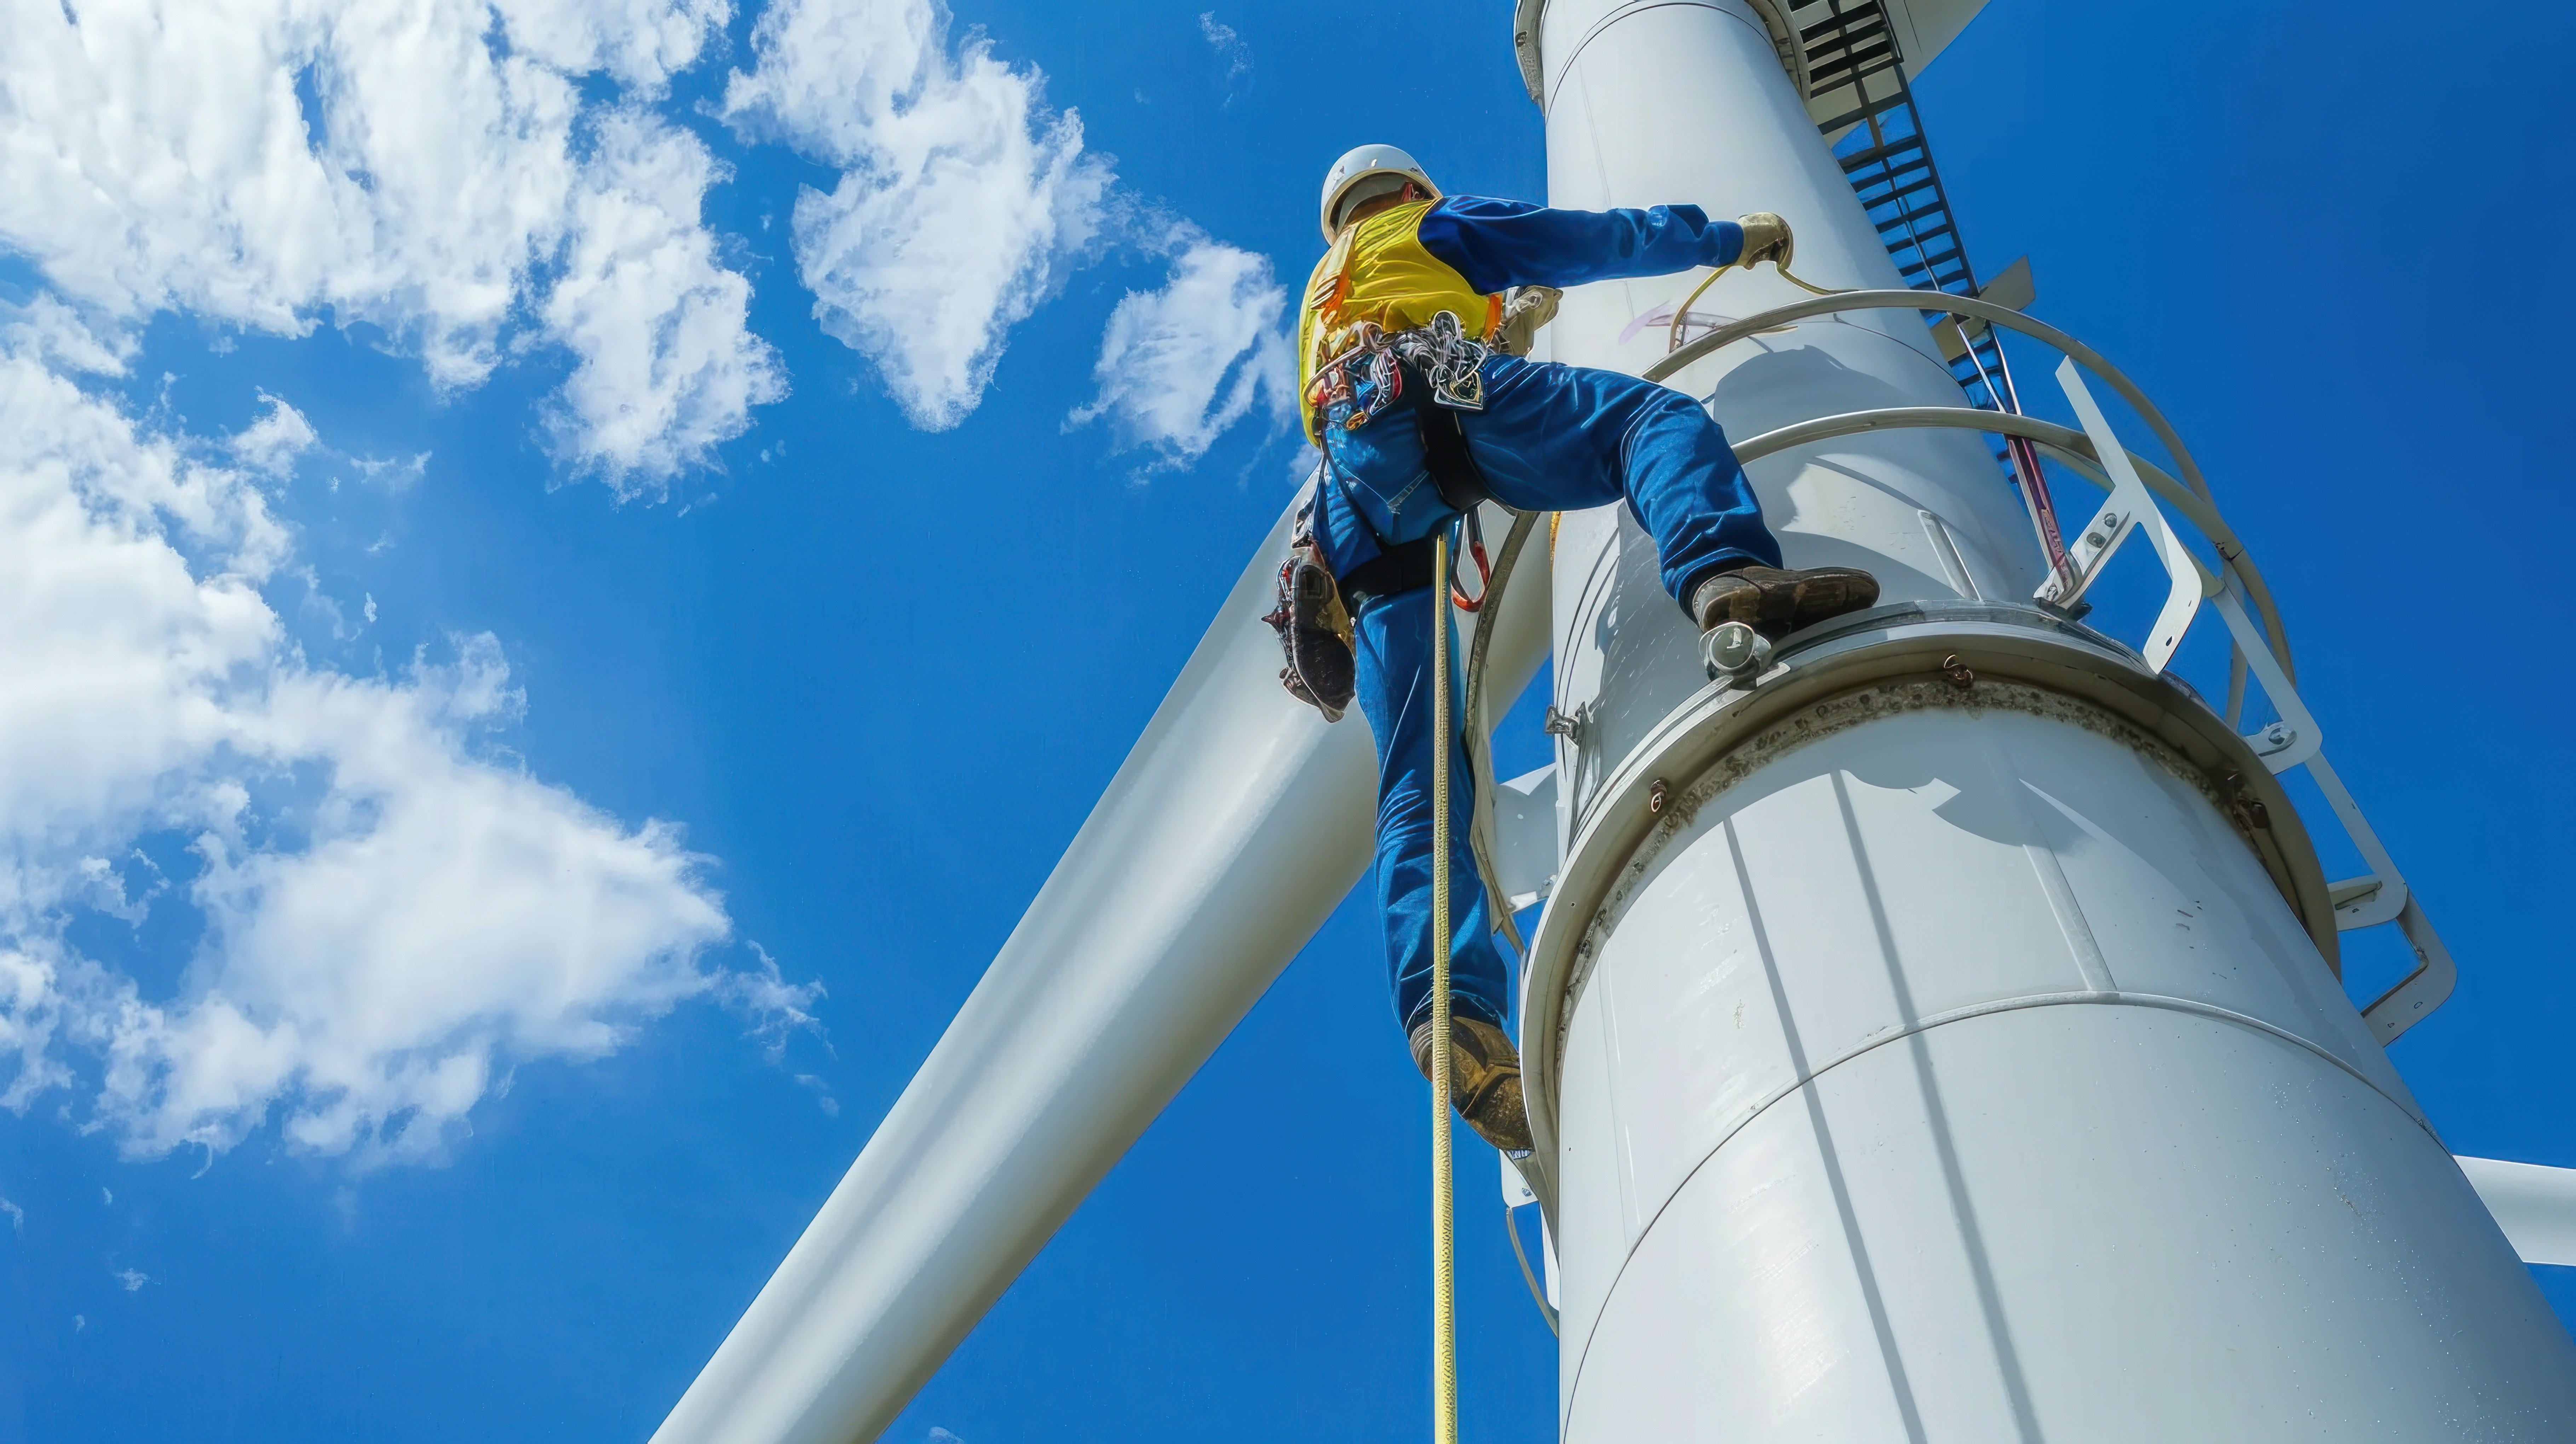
(1314, 634)
(1776, 602)
(1485, 1079)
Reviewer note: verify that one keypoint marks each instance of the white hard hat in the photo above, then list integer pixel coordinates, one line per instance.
(1359, 166)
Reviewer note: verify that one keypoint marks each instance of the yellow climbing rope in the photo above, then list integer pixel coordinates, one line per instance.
(1444, 1290)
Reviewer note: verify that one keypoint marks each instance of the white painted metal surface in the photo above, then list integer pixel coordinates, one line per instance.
(1957, 1072)
(1525, 847)
(1650, 103)
(1232, 830)
(1992, 1104)
(1922, 29)
(2533, 1204)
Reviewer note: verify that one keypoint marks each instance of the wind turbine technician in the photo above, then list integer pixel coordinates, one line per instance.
(1407, 381)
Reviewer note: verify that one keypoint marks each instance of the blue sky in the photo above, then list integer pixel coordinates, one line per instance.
(566, 577)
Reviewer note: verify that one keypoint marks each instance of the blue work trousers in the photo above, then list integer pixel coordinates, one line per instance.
(1550, 438)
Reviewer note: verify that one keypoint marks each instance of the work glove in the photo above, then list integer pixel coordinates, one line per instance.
(1524, 311)
(1766, 238)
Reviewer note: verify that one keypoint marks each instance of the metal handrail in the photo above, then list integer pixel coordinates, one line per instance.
(2277, 634)
(2071, 446)
(1987, 311)
(2076, 449)
(2381, 896)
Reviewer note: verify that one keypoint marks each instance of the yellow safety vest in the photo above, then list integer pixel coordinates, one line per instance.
(1379, 272)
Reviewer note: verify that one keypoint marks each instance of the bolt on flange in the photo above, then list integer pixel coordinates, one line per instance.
(1733, 650)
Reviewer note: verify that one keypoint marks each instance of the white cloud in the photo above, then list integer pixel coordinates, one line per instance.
(163, 157)
(641, 42)
(823, 1098)
(669, 367)
(778, 1008)
(17, 1216)
(274, 442)
(133, 1279)
(395, 915)
(395, 475)
(1181, 364)
(963, 200)
(444, 916)
(1234, 50)
(48, 331)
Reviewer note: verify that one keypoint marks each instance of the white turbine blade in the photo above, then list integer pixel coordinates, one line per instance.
(2535, 1205)
(1232, 830)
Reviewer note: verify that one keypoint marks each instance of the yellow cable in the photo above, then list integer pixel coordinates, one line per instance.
(1804, 284)
(1673, 333)
(1444, 1290)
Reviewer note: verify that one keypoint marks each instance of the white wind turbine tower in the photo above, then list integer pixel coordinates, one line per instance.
(1934, 1030)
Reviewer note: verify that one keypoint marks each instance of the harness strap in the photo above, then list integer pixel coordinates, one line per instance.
(1454, 473)
(1392, 572)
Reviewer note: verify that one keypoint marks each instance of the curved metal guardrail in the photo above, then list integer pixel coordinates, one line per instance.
(2259, 654)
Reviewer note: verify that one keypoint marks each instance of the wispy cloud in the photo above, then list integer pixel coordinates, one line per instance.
(1232, 49)
(273, 443)
(133, 1279)
(963, 201)
(17, 1216)
(1181, 364)
(777, 1008)
(823, 1098)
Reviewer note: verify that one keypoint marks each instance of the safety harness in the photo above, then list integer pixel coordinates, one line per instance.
(1437, 358)
(1442, 367)
(1461, 485)
(1454, 473)
(1392, 572)
(1441, 364)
